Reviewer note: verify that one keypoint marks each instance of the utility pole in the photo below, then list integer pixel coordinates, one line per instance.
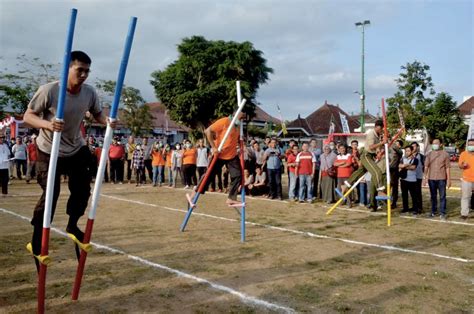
(362, 89)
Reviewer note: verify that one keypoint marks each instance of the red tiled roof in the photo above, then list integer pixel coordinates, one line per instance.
(261, 115)
(159, 116)
(368, 118)
(466, 107)
(300, 123)
(319, 121)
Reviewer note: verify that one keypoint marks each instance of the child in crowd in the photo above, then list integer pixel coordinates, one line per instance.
(138, 164)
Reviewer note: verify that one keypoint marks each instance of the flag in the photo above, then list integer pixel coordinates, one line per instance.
(332, 125)
(283, 125)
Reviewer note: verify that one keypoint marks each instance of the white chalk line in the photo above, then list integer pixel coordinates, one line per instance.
(242, 296)
(461, 223)
(364, 211)
(310, 234)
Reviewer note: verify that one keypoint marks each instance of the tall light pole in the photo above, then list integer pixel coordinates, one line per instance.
(362, 90)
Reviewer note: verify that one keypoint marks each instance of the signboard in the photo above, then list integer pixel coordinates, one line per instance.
(344, 123)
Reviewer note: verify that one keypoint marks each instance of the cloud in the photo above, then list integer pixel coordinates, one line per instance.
(312, 46)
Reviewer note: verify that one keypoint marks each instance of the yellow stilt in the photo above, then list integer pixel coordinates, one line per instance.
(83, 246)
(45, 260)
(345, 195)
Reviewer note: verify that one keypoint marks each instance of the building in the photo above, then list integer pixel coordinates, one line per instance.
(369, 121)
(466, 108)
(262, 118)
(323, 121)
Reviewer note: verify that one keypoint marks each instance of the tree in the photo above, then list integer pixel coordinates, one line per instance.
(445, 122)
(413, 96)
(136, 115)
(18, 87)
(200, 85)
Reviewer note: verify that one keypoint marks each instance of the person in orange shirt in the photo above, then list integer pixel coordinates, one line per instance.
(228, 155)
(168, 164)
(158, 163)
(189, 165)
(466, 164)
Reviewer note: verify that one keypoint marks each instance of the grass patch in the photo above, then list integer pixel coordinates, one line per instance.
(370, 279)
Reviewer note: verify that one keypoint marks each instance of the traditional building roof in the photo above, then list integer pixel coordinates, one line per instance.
(466, 107)
(300, 124)
(368, 118)
(319, 121)
(262, 116)
(160, 118)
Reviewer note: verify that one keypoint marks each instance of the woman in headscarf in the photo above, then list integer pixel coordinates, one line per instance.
(328, 175)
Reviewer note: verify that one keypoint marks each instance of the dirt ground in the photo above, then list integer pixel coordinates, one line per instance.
(295, 258)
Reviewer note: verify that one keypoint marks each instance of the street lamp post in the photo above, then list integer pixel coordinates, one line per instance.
(362, 90)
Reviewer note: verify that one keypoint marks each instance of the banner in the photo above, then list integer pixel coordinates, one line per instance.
(344, 123)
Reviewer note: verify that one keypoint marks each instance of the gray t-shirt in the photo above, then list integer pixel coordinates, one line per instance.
(45, 102)
(202, 157)
(19, 151)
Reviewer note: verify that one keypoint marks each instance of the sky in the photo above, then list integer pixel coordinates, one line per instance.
(313, 46)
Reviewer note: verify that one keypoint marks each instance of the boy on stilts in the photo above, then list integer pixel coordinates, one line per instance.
(374, 140)
(228, 155)
(74, 154)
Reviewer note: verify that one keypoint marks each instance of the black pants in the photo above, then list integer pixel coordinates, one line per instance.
(116, 170)
(201, 172)
(149, 169)
(274, 181)
(20, 167)
(259, 190)
(76, 168)
(315, 184)
(409, 187)
(216, 173)
(419, 198)
(140, 177)
(4, 178)
(93, 165)
(235, 175)
(394, 180)
(189, 171)
(129, 169)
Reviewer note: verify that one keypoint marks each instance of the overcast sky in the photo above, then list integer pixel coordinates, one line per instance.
(313, 46)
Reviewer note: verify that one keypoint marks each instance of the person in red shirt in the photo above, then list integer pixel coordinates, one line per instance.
(116, 158)
(291, 163)
(32, 156)
(305, 169)
(344, 164)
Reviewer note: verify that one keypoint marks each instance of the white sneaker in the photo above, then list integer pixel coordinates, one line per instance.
(186, 187)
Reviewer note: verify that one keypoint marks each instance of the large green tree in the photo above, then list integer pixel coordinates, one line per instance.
(444, 121)
(18, 86)
(413, 97)
(135, 114)
(200, 85)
